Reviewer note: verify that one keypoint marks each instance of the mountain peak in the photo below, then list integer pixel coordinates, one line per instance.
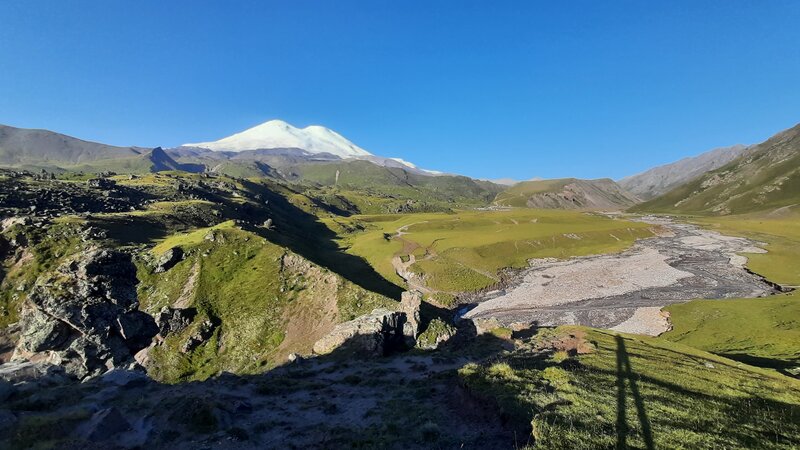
(279, 134)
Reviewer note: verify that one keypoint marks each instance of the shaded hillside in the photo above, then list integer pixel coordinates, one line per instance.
(662, 179)
(567, 193)
(20, 147)
(149, 161)
(767, 176)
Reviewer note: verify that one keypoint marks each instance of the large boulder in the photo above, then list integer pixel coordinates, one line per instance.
(84, 317)
(174, 320)
(169, 259)
(410, 302)
(372, 334)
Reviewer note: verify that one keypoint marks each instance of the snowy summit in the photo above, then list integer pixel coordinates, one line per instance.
(279, 134)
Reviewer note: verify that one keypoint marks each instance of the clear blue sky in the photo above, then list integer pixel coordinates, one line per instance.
(486, 89)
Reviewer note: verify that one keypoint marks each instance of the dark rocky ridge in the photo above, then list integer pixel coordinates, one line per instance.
(84, 316)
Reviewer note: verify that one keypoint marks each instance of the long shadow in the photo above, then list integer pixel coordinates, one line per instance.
(234, 408)
(292, 227)
(624, 372)
(304, 234)
(779, 365)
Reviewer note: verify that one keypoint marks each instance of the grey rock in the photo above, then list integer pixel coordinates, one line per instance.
(169, 259)
(26, 371)
(84, 315)
(202, 334)
(40, 332)
(174, 320)
(373, 334)
(137, 329)
(410, 302)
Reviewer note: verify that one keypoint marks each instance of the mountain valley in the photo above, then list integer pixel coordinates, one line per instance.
(284, 288)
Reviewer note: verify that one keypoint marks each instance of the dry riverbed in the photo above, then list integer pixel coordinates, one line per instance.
(626, 291)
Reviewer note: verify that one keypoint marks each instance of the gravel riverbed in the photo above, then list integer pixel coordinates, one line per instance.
(626, 291)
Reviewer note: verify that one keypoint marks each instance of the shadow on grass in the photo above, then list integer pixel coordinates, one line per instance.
(292, 227)
(624, 372)
(780, 365)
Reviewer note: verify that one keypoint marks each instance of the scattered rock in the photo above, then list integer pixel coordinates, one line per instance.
(101, 183)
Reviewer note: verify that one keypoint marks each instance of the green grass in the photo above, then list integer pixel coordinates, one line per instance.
(637, 392)
(466, 249)
(762, 331)
(241, 280)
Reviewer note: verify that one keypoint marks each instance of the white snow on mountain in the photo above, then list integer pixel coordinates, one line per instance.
(279, 134)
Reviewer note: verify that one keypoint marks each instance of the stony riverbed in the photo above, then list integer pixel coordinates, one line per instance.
(626, 291)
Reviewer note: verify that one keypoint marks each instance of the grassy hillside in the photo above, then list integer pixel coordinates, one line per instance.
(766, 177)
(258, 264)
(366, 177)
(267, 300)
(566, 193)
(764, 332)
(465, 251)
(578, 388)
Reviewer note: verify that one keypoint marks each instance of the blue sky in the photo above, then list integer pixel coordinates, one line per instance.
(486, 89)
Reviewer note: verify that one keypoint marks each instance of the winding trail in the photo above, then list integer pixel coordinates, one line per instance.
(626, 291)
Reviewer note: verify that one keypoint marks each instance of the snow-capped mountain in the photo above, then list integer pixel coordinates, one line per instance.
(279, 134)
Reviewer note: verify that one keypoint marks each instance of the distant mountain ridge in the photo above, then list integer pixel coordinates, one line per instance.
(660, 180)
(766, 176)
(567, 193)
(22, 146)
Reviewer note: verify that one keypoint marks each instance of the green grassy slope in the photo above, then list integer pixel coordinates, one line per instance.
(766, 177)
(566, 193)
(366, 177)
(762, 331)
(626, 391)
(248, 285)
(464, 251)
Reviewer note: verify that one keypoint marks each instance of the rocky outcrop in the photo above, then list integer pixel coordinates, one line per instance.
(378, 333)
(372, 334)
(410, 302)
(84, 317)
(437, 333)
(174, 320)
(203, 333)
(169, 259)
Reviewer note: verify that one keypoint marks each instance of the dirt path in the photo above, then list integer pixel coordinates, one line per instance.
(626, 291)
